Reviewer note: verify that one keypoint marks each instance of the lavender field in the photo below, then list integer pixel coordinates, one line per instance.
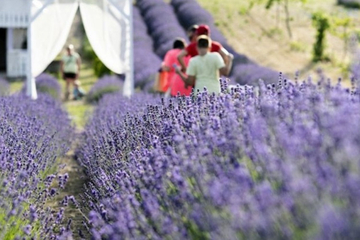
(33, 135)
(278, 164)
(270, 157)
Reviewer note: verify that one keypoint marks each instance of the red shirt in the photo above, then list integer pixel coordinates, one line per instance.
(192, 50)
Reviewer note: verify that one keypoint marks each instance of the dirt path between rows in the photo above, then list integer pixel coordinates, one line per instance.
(74, 187)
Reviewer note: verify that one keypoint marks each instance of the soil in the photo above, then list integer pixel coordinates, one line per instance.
(74, 187)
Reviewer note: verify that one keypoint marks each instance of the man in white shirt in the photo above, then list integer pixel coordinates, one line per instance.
(70, 68)
(204, 70)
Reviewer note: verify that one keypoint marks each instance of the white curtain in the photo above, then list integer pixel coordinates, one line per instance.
(49, 31)
(107, 26)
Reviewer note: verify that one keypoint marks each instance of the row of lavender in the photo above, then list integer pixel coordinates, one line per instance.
(281, 163)
(161, 23)
(146, 62)
(33, 135)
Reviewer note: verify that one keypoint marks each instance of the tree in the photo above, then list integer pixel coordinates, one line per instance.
(321, 23)
(344, 23)
(285, 4)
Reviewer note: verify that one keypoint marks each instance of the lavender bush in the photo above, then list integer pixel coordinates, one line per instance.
(281, 163)
(105, 85)
(251, 73)
(163, 32)
(4, 87)
(33, 134)
(47, 84)
(146, 62)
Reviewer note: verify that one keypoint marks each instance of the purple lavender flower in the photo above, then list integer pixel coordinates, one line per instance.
(260, 164)
(32, 135)
(105, 85)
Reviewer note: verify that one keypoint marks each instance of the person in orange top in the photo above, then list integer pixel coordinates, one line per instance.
(191, 49)
(175, 84)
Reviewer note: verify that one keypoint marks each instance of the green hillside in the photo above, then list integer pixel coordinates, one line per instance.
(262, 34)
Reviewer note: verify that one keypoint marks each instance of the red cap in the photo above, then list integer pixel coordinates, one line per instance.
(203, 30)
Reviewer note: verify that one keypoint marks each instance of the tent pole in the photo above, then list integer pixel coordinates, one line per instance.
(129, 78)
(30, 80)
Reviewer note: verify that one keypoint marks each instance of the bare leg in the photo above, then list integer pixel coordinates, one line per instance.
(67, 91)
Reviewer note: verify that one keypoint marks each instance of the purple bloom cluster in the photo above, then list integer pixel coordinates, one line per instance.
(4, 87)
(190, 12)
(250, 74)
(48, 84)
(278, 163)
(33, 134)
(162, 24)
(146, 62)
(105, 85)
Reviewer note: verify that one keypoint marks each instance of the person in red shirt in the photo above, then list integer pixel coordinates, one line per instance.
(174, 83)
(191, 49)
(191, 33)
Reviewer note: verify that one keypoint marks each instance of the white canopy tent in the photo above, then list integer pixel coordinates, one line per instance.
(108, 25)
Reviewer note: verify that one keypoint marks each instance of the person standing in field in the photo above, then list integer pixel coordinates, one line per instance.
(191, 33)
(191, 49)
(70, 68)
(175, 84)
(204, 69)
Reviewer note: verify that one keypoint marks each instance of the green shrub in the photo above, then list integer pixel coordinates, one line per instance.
(349, 3)
(321, 23)
(89, 55)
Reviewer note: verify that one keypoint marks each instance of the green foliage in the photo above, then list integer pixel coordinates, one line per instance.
(321, 23)
(349, 4)
(88, 54)
(274, 31)
(297, 46)
(270, 3)
(79, 113)
(357, 34)
(48, 90)
(285, 4)
(340, 27)
(194, 231)
(243, 10)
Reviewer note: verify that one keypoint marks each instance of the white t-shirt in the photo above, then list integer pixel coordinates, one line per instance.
(206, 71)
(70, 63)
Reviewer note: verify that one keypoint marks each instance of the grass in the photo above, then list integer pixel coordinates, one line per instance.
(16, 86)
(79, 111)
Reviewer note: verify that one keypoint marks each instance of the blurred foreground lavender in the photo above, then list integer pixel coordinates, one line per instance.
(33, 134)
(4, 87)
(281, 163)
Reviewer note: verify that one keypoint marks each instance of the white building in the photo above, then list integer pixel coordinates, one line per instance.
(14, 20)
(33, 33)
